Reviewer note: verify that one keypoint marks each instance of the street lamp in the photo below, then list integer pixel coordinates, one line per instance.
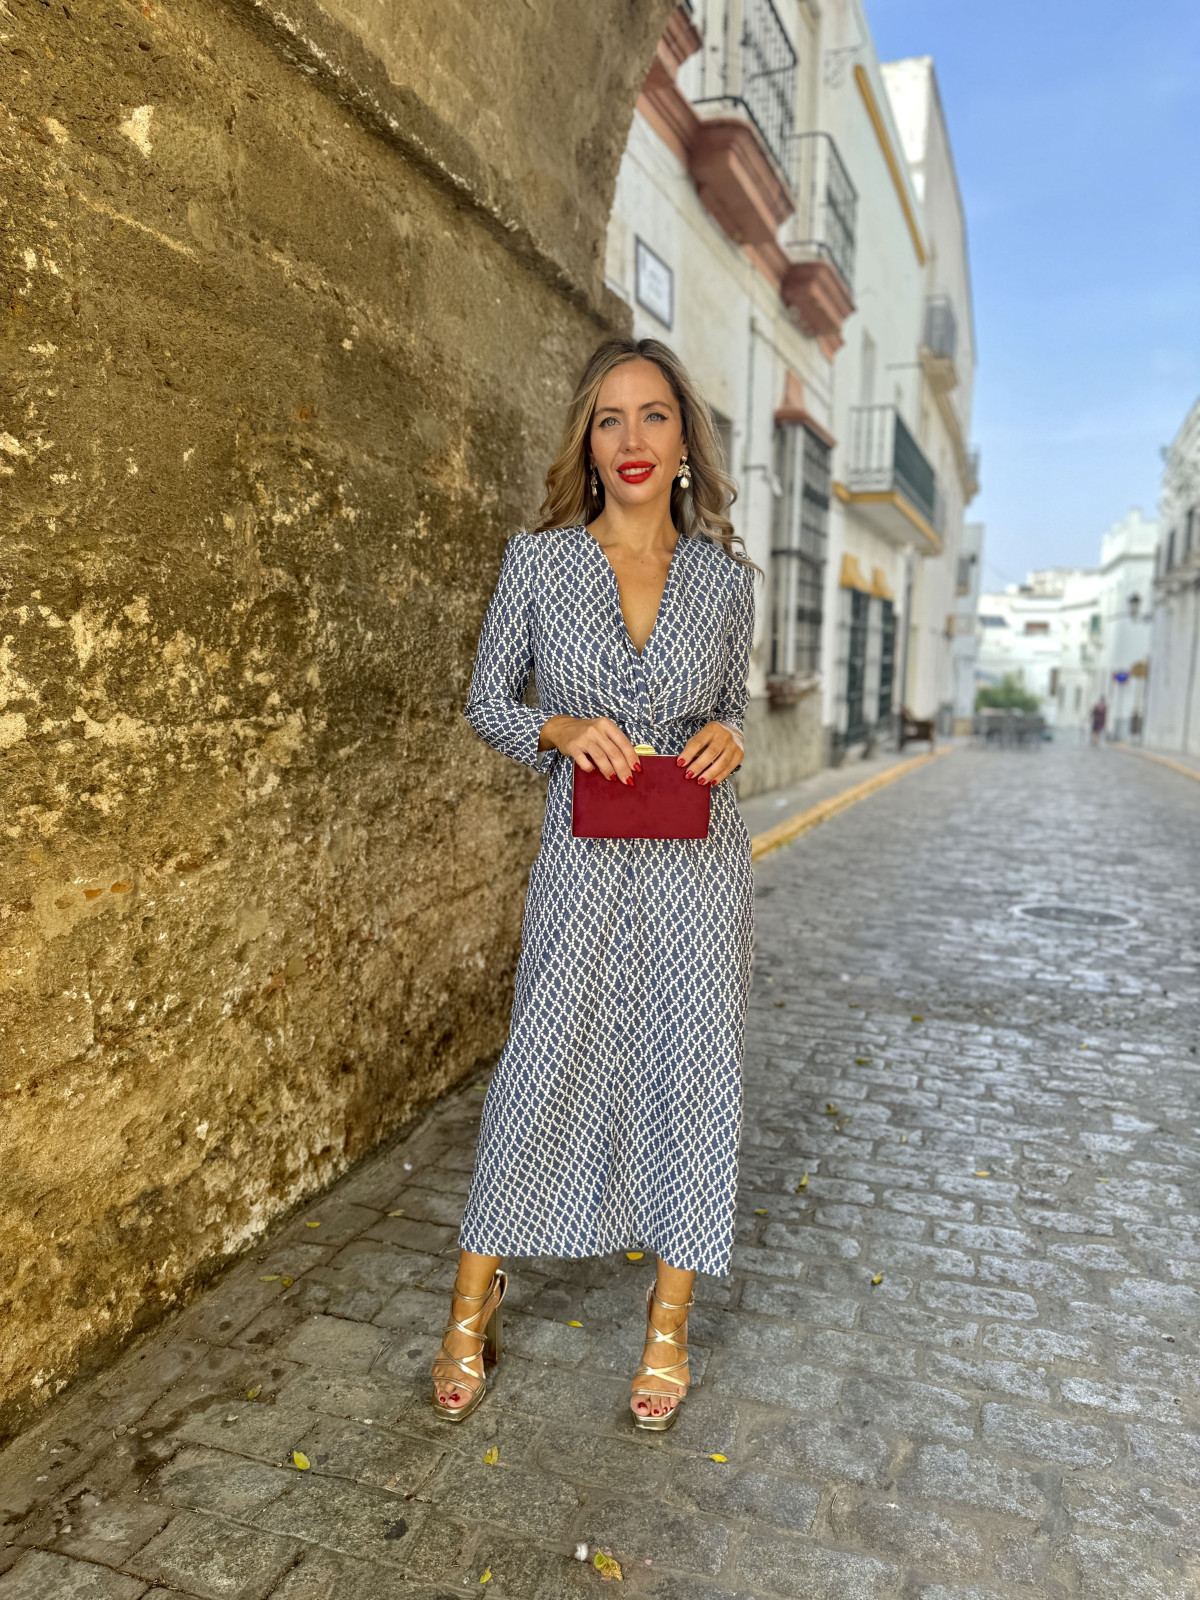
(1135, 605)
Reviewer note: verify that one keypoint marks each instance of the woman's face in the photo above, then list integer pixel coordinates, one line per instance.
(636, 437)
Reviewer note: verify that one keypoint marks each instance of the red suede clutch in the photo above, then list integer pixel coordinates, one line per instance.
(661, 804)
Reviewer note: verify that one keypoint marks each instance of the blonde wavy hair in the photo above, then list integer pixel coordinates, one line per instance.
(699, 512)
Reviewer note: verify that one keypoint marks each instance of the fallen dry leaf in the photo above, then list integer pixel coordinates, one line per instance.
(830, 1109)
(980, 1173)
(301, 1460)
(918, 1019)
(862, 1061)
(760, 1212)
(395, 1213)
(486, 1575)
(878, 1278)
(634, 1255)
(253, 1394)
(287, 1282)
(492, 1456)
(802, 1185)
(608, 1569)
(271, 1277)
(574, 1324)
(718, 1458)
(312, 1224)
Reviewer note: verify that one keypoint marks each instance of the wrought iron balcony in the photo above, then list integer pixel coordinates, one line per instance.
(890, 480)
(748, 65)
(941, 327)
(825, 221)
(939, 348)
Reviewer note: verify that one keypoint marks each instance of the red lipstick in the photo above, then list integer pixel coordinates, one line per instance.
(635, 471)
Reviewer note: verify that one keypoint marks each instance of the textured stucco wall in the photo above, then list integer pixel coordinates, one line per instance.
(782, 746)
(292, 300)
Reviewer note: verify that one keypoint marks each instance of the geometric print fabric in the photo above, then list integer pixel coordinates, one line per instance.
(614, 1113)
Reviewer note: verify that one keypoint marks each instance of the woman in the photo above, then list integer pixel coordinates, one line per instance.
(613, 1115)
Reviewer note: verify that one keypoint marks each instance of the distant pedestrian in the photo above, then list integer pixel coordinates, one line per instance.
(1099, 719)
(613, 1116)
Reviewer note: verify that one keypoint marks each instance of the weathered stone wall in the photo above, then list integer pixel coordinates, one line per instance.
(292, 301)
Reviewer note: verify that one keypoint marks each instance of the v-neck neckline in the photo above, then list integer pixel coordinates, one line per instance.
(616, 590)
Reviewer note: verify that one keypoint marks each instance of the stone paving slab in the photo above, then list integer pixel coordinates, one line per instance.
(957, 1357)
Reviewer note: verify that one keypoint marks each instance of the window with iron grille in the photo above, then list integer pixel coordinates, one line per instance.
(798, 546)
(856, 665)
(887, 661)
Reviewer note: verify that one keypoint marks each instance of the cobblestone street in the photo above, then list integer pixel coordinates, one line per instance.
(957, 1358)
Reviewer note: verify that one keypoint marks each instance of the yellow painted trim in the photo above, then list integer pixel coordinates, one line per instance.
(783, 833)
(889, 497)
(851, 576)
(1163, 761)
(841, 492)
(880, 586)
(889, 155)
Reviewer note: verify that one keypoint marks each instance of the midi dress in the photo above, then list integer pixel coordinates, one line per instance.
(613, 1116)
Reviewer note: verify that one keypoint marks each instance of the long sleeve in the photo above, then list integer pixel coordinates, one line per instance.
(730, 706)
(495, 703)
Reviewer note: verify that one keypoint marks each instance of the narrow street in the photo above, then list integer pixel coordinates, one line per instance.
(957, 1358)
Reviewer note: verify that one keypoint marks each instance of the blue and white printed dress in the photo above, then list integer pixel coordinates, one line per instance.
(614, 1113)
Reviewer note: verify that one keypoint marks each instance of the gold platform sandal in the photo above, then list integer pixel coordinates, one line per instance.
(653, 1334)
(473, 1382)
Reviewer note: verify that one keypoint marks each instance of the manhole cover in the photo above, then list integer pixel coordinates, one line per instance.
(1075, 916)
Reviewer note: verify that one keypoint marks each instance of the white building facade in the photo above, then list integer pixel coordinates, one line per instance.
(966, 625)
(1074, 636)
(786, 217)
(1173, 688)
(1126, 599)
(1045, 633)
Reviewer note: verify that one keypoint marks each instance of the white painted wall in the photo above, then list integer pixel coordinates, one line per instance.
(966, 631)
(1126, 571)
(916, 104)
(1173, 691)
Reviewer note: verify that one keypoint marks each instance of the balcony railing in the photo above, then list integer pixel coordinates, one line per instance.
(884, 457)
(748, 62)
(941, 327)
(825, 220)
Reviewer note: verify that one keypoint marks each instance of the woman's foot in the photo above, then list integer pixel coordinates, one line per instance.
(661, 1382)
(472, 1335)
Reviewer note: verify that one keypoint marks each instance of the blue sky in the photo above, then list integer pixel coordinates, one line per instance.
(1076, 131)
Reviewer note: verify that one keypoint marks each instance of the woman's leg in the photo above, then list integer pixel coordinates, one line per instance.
(474, 1277)
(675, 1287)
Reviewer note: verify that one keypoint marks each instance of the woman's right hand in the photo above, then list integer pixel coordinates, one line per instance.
(594, 744)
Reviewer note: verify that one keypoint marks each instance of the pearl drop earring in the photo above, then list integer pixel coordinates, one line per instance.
(684, 478)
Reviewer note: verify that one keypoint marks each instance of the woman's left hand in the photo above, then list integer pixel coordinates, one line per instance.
(711, 754)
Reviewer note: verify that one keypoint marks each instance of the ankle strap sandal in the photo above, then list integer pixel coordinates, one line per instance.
(490, 1348)
(656, 1336)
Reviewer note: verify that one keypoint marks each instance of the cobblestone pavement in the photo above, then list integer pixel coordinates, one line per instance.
(957, 1356)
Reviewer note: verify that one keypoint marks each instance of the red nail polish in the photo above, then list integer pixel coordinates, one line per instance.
(680, 762)
(637, 766)
(629, 781)
(689, 773)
